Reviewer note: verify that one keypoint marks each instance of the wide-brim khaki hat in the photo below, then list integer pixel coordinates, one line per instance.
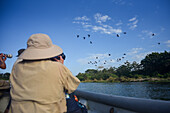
(40, 46)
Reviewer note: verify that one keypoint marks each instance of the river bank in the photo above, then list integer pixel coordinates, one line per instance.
(125, 79)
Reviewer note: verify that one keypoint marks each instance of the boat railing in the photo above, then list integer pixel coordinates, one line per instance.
(129, 104)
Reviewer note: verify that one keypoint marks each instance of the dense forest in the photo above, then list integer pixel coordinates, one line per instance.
(154, 67)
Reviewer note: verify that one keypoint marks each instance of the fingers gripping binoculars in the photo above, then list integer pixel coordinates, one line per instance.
(7, 55)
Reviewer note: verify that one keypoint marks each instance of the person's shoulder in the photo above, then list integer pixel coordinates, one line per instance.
(58, 64)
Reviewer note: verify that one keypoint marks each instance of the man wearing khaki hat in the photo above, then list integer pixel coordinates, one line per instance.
(38, 83)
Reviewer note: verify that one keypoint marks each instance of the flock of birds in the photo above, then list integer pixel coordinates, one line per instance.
(98, 62)
(153, 34)
(85, 38)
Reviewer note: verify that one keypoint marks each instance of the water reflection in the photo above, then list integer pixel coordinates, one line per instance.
(131, 89)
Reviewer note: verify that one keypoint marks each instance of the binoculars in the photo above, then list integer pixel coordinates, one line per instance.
(7, 55)
(58, 57)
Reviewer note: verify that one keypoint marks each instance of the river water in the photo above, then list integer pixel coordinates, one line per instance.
(160, 91)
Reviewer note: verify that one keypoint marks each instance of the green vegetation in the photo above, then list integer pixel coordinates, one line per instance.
(154, 67)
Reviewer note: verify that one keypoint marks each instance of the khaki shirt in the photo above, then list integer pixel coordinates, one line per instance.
(38, 87)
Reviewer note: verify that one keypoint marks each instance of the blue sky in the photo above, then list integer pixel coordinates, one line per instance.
(63, 20)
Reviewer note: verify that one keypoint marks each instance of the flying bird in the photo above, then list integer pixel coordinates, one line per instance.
(118, 35)
(88, 35)
(124, 32)
(109, 54)
(124, 54)
(84, 37)
(159, 43)
(119, 59)
(90, 42)
(153, 34)
(77, 36)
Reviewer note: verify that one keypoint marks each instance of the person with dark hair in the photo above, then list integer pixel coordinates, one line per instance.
(20, 51)
(38, 84)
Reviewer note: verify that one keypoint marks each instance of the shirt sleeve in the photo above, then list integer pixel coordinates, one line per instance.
(70, 82)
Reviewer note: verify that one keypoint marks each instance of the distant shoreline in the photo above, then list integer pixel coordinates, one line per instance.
(129, 80)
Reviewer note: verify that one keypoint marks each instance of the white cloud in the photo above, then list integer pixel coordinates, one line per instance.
(92, 57)
(134, 51)
(140, 56)
(108, 30)
(132, 19)
(100, 56)
(119, 23)
(137, 54)
(82, 23)
(83, 18)
(162, 29)
(147, 33)
(119, 2)
(99, 18)
(99, 27)
(132, 27)
(168, 43)
(133, 23)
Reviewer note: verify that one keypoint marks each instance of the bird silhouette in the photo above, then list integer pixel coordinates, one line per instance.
(90, 42)
(84, 37)
(77, 36)
(88, 35)
(159, 43)
(109, 54)
(153, 34)
(124, 32)
(118, 35)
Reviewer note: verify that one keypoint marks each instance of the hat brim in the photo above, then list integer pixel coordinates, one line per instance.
(36, 54)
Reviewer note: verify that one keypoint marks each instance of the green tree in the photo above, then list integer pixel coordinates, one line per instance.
(81, 76)
(91, 71)
(123, 70)
(156, 63)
